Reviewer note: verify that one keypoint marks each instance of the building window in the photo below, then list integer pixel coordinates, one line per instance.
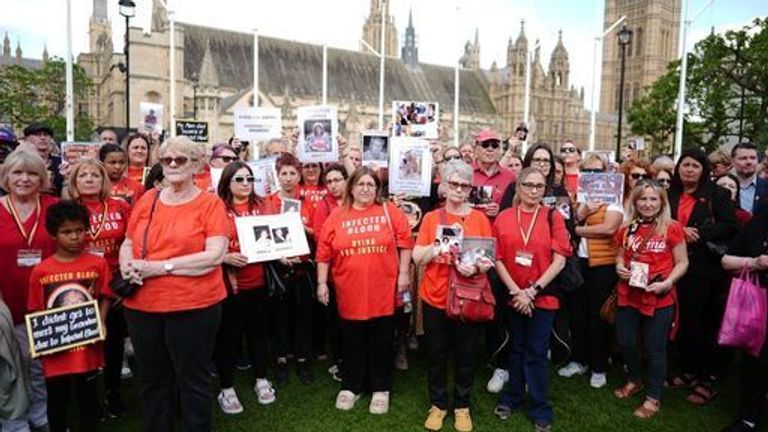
(635, 92)
(152, 97)
(639, 42)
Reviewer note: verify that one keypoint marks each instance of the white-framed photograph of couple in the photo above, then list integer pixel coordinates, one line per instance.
(318, 127)
(375, 148)
(271, 237)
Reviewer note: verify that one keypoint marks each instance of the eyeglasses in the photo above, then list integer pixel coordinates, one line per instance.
(541, 161)
(533, 186)
(492, 143)
(227, 159)
(638, 176)
(568, 150)
(450, 158)
(241, 179)
(592, 170)
(179, 161)
(459, 186)
(365, 185)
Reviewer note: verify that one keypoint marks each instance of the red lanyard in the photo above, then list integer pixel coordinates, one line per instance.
(28, 237)
(527, 236)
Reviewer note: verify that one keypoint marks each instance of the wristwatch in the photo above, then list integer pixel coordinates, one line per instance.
(168, 267)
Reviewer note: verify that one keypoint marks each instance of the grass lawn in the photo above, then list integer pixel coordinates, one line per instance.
(577, 406)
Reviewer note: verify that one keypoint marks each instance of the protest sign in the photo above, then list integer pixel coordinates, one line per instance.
(415, 119)
(410, 166)
(150, 117)
(606, 188)
(258, 124)
(64, 328)
(265, 176)
(197, 131)
(271, 237)
(375, 148)
(73, 152)
(318, 127)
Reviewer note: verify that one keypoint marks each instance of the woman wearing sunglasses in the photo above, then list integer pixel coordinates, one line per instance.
(634, 170)
(174, 247)
(222, 155)
(571, 157)
(706, 212)
(246, 310)
(663, 177)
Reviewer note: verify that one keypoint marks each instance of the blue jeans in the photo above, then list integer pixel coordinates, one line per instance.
(529, 342)
(655, 333)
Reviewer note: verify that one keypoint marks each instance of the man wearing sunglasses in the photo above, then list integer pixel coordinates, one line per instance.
(488, 171)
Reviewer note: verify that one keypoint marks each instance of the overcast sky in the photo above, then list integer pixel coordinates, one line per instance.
(441, 28)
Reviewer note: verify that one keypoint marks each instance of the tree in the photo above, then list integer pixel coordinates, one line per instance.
(29, 95)
(721, 68)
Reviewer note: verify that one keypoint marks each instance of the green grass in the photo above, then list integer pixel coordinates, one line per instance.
(577, 406)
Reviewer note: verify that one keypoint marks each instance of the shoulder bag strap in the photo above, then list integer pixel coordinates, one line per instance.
(146, 230)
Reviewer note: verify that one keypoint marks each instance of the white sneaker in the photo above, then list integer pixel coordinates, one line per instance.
(497, 381)
(572, 369)
(126, 371)
(264, 391)
(228, 401)
(345, 400)
(598, 380)
(379, 403)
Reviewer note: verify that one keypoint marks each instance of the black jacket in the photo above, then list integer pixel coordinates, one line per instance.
(713, 215)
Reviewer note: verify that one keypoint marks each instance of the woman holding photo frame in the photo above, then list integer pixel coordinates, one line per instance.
(440, 331)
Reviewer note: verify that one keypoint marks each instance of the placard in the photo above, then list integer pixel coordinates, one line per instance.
(415, 119)
(271, 237)
(318, 128)
(609, 156)
(637, 143)
(410, 166)
(478, 250)
(265, 176)
(606, 188)
(197, 131)
(73, 152)
(215, 178)
(375, 148)
(64, 328)
(447, 243)
(255, 124)
(150, 117)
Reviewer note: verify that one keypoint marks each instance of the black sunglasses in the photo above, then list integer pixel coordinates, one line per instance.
(450, 158)
(638, 176)
(241, 179)
(491, 143)
(592, 170)
(227, 159)
(179, 161)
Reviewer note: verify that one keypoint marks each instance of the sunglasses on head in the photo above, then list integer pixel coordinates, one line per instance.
(241, 179)
(179, 161)
(491, 143)
(638, 176)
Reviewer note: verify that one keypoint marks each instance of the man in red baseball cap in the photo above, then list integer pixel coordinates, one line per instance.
(490, 179)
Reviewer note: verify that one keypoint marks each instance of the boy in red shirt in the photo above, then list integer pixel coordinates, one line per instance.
(70, 276)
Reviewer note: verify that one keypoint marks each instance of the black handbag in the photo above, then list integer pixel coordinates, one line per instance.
(570, 278)
(120, 286)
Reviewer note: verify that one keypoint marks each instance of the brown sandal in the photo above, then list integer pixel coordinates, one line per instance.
(682, 381)
(649, 408)
(702, 394)
(628, 390)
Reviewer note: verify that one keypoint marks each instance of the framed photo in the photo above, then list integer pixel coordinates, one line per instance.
(265, 176)
(288, 205)
(150, 117)
(415, 119)
(448, 243)
(318, 127)
(410, 166)
(271, 237)
(375, 148)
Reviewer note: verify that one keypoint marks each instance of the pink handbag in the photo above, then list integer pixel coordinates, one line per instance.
(744, 321)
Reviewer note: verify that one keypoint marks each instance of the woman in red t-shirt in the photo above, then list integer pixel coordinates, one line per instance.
(24, 244)
(313, 188)
(114, 160)
(137, 148)
(652, 257)
(366, 244)
(246, 309)
(89, 185)
(533, 244)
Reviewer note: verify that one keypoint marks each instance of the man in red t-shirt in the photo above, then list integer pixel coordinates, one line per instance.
(489, 177)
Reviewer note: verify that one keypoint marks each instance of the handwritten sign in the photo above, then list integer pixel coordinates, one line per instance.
(197, 131)
(73, 152)
(64, 328)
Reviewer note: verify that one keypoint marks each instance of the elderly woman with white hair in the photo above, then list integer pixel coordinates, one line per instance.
(174, 247)
(23, 244)
(442, 332)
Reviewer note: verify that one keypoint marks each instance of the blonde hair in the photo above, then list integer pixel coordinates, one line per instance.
(524, 174)
(106, 186)
(663, 218)
(25, 158)
(593, 157)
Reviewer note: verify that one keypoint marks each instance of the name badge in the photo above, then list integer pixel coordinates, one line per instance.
(29, 257)
(524, 259)
(97, 251)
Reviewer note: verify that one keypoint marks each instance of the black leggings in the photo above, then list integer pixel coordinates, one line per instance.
(60, 394)
(293, 319)
(114, 348)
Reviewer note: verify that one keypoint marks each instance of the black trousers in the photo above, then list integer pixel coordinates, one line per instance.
(367, 347)
(114, 348)
(590, 334)
(334, 326)
(496, 336)
(754, 386)
(702, 304)
(60, 392)
(174, 351)
(293, 319)
(245, 313)
(444, 337)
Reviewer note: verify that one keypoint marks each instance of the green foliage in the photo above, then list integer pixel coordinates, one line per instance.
(29, 95)
(721, 68)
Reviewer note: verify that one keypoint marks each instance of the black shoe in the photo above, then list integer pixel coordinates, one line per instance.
(304, 371)
(113, 405)
(542, 426)
(281, 373)
(43, 428)
(243, 363)
(739, 426)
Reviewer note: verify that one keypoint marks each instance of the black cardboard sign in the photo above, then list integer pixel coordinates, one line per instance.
(64, 328)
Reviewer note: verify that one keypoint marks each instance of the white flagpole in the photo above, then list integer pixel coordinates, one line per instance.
(70, 85)
(325, 74)
(255, 67)
(382, 54)
(172, 60)
(456, 87)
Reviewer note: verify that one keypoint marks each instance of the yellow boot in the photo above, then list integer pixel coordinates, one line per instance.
(435, 419)
(462, 420)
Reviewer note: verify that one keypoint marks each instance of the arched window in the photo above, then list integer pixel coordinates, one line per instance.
(639, 42)
(152, 96)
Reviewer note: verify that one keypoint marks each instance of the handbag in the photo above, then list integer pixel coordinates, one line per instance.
(608, 309)
(570, 278)
(120, 286)
(470, 299)
(744, 321)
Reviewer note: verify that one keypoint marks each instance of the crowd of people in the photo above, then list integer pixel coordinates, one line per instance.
(639, 287)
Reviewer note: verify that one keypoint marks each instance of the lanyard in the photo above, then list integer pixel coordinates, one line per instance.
(28, 237)
(527, 236)
(102, 222)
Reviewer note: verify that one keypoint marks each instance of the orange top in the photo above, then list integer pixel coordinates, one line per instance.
(175, 231)
(135, 173)
(203, 179)
(362, 252)
(434, 283)
(128, 190)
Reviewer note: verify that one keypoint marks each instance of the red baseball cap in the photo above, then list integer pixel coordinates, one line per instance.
(487, 135)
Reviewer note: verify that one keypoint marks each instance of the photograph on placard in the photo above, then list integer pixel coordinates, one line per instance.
(415, 119)
(318, 127)
(478, 250)
(271, 237)
(151, 117)
(605, 188)
(263, 238)
(448, 243)
(255, 124)
(375, 148)
(216, 177)
(289, 205)
(410, 166)
(265, 176)
(479, 195)
(73, 152)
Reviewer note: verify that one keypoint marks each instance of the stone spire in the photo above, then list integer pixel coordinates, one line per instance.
(372, 29)
(45, 53)
(100, 11)
(6, 50)
(208, 76)
(559, 67)
(410, 52)
(18, 52)
(159, 17)
(471, 57)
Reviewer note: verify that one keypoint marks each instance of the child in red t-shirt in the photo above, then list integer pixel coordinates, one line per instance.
(70, 276)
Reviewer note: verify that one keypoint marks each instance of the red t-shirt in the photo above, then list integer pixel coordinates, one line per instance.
(275, 201)
(572, 182)
(252, 275)
(434, 284)
(14, 285)
(685, 208)
(362, 252)
(128, 190)
(321, 213)
(107, 230)
(541, 245)
(135, 173)
(53, 284)
(657, 253)
(313, 194)
(177, 230)
(203, 180)
(499, 180)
